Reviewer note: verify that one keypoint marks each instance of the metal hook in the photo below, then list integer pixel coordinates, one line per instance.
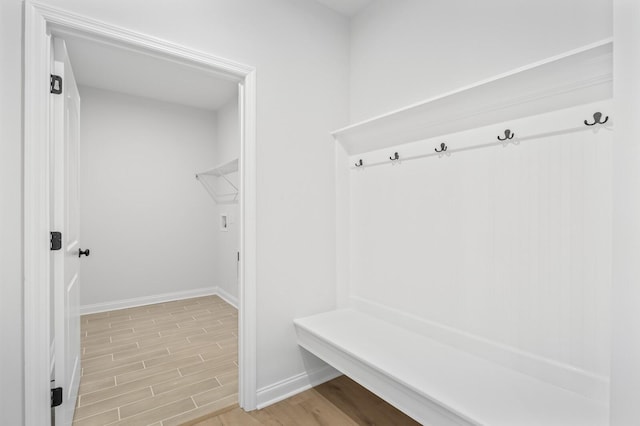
(507, 135)
(443, 148)
(395, 157)
(596, 119)
(359, 163)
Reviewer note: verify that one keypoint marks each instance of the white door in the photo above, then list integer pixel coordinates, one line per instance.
(65, 218)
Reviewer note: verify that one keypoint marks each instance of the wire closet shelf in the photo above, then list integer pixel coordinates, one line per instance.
(218, 184)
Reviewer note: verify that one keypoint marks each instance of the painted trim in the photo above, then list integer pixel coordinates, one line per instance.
(625, 292)
(563, 375)
(342, 175)
(227, 297)
(52, 350)
(40, 21)
(530, 129)
(37, 394)
(247, 318)
(62, 22)
(293, 385)
(146, 300)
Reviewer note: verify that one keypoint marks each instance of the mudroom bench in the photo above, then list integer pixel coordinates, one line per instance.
(437, 384)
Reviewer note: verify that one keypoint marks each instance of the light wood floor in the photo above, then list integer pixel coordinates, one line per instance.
(335, 403)
(159, 365)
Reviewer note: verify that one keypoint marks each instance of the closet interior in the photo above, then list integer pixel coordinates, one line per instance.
(159, 293)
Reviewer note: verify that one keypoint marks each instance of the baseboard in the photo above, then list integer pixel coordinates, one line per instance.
(148, 300)
(227, 297)
(293, 385)
(566, 376)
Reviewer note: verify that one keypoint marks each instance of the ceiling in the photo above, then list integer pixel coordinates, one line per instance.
(113, 68)
(348, 8)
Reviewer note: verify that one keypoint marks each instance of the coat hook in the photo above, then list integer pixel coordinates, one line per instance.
(359, 163)
(443, 147)
(596, 119)
(507, 135)
(395, 157)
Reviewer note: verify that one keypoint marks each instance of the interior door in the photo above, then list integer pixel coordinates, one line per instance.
(65, 218)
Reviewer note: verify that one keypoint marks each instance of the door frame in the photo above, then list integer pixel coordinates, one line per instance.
(41, 22)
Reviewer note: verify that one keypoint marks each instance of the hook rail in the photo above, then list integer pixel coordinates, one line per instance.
(508, 135)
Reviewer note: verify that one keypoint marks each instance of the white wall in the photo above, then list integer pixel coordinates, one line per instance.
(301, 53)
(11, 302)
(228, 242)
(625, 371)
(228, 132)
(404, 51)
(147, 220)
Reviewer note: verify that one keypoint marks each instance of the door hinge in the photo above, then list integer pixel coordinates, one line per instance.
(238, 256)
(56, 84)
(56, 397)
(56, 240)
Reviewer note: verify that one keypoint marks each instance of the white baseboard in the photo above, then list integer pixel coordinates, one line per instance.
(227, 297)
(148, 300)
(563, 375)
(293, 385)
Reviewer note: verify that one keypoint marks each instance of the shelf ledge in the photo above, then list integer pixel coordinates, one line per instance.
(222, 169)
(573, 78)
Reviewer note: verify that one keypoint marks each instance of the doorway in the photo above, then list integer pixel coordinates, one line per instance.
(42, 23)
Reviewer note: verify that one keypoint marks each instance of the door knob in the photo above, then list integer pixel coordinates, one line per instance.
(86, 252)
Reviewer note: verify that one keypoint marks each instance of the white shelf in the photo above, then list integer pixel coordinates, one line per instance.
(222, 169)
(217, 183)
(435, 383)
(577, 77)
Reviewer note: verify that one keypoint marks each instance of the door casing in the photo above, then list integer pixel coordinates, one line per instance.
(41, 22)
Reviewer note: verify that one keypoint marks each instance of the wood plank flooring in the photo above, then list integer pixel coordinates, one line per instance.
(336, 403)
(175, 363)
(163, 364)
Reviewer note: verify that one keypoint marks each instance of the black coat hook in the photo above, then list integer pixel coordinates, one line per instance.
(359, 163)
(507, 135)
(443, 147)
(395, 157)
(596, 119)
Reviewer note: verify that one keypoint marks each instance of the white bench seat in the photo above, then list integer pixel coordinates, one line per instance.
(437, 384)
